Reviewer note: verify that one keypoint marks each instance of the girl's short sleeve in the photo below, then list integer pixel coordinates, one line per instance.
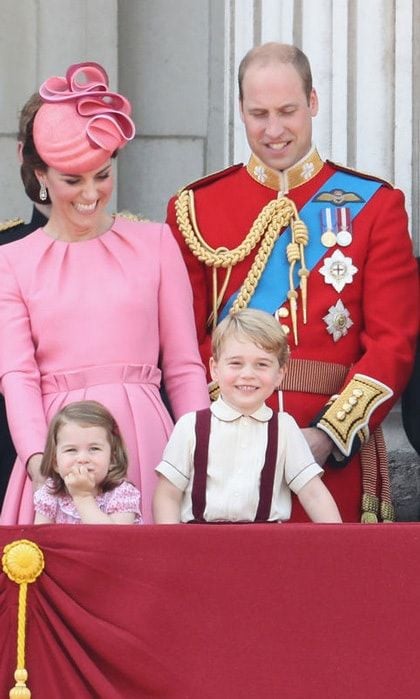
(45, 503)
(125, 498)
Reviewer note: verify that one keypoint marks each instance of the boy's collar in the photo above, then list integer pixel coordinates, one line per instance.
(225, 412)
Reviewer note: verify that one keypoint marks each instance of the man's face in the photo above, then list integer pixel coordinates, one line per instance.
(276, 114)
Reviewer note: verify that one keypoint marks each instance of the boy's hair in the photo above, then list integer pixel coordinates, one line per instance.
(86, 413)
(258, 326)
(274, 52)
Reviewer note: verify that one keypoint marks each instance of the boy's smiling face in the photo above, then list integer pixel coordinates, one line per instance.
(247, 374)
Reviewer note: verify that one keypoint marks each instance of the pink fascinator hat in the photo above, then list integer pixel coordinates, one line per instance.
(81, 123)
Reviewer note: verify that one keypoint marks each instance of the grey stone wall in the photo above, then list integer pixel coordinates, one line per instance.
(405, 484)
(171, 66)
(404, 466)
(40, 38)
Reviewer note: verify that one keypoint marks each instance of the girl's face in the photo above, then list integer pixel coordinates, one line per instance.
(79, 445)
(78, 201)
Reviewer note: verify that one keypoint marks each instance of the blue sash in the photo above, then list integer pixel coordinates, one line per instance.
(273, 286)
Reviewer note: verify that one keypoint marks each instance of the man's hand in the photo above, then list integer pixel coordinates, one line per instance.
(320, 444)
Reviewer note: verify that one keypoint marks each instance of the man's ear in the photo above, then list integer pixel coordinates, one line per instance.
(313, 103)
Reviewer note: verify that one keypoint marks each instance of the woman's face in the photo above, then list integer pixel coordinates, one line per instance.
(78, 201)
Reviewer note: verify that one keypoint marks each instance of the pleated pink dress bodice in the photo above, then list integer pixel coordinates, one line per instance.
(96, 319)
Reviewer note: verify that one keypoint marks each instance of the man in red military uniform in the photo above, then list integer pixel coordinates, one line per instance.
(327, 251)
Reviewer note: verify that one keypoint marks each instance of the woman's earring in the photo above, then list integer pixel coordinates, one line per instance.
(43, 194)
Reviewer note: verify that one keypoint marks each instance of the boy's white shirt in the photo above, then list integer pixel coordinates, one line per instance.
(236, 456)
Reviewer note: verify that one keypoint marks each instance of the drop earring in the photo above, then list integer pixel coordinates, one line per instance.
(43, 194)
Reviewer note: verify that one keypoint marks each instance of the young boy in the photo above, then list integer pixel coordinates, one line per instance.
(238, 461)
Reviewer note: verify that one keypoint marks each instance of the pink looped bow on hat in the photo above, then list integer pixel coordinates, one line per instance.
(86, 84)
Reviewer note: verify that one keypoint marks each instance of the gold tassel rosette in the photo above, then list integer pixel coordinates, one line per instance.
(23, 563)
(266, 228)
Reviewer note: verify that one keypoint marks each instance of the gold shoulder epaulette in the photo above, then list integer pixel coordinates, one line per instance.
(131, 217)
(212, 177)
(360, 173)
(11, 223)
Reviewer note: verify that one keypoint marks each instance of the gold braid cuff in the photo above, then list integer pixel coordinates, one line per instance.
(349, 413)
(266, 228)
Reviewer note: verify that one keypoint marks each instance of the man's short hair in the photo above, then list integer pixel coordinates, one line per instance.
(274, 52)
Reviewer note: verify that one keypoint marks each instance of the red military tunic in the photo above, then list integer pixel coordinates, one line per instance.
(381, 300)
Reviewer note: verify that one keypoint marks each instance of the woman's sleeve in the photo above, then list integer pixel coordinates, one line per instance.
(19, 373)
(183, 371)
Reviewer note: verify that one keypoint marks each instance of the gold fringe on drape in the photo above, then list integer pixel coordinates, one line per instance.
(23, 563)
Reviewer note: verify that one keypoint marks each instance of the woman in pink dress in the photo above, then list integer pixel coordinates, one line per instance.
(91, 306)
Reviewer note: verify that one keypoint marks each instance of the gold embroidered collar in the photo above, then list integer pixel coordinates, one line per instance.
(285, 180)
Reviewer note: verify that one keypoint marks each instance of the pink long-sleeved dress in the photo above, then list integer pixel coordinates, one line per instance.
(96, 319)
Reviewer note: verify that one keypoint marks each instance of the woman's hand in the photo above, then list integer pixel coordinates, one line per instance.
(33, 468)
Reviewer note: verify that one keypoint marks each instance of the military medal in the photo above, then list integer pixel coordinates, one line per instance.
(338, 270)
(344, 236)
(338, 320)
(329, 224)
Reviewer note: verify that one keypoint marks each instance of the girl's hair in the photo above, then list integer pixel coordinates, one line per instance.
(259, 327)
(86, 413)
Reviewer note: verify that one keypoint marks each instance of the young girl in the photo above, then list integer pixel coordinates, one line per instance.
(85, 464)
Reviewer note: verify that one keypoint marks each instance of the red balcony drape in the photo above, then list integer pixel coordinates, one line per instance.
(218, 612)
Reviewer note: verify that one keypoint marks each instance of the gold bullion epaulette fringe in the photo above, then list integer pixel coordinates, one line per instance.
(10, 223)
(131, 217)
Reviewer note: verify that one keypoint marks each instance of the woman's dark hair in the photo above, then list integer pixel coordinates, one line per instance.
(30, 158)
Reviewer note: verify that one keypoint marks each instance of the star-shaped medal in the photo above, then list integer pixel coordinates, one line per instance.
(338, 320)
(338, 270)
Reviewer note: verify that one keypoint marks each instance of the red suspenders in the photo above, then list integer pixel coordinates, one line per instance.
(202, 435)
(198, 494)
